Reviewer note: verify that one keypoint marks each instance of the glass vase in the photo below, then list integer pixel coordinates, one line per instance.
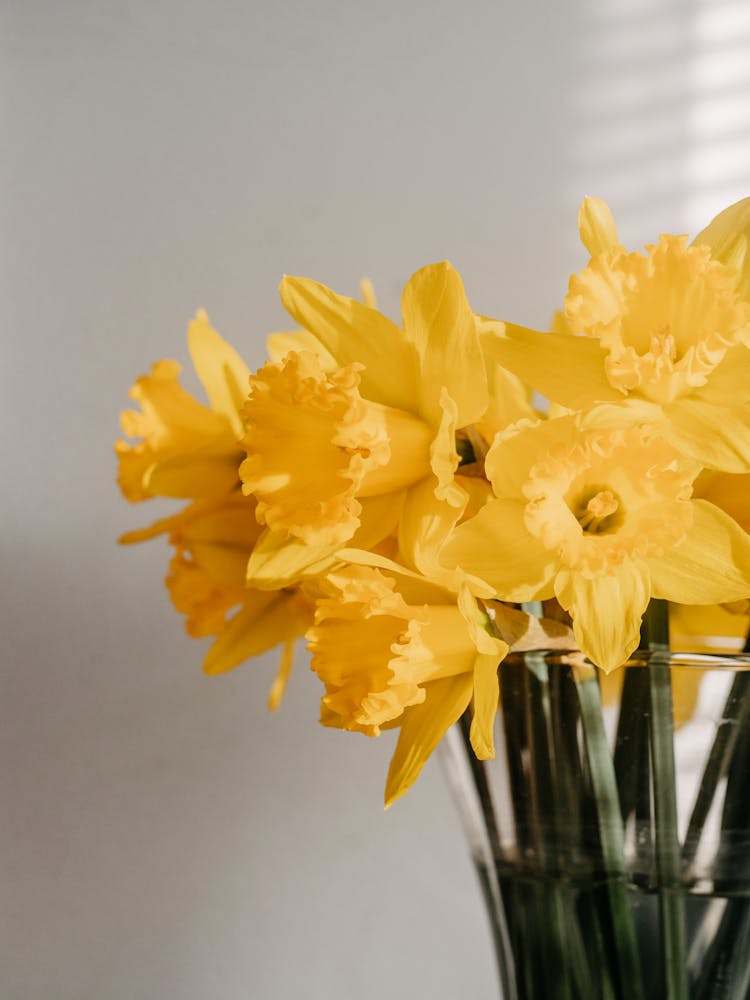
(611, 832)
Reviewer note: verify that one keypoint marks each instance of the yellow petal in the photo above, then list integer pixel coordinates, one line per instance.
(569, 370)
(510, 401)
(191, 475)
(711, 565)
(422, 729)
(220, 368)
(486, 697)
(265, 620)
(717, 437)
(353, 332)
(278, 561)
(444, 458)
(378, 519)
(596, 226)
(367, 292)
(729, 492)
(727, 237)
(516, 449)
(171, 424)
(730, 380)
(160, 527)
(426, 523)
(606, 610)
(437, 318)
(495, 546)
(278, 687)
(279, 344)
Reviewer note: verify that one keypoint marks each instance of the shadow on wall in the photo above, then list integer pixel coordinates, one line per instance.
(662, 112)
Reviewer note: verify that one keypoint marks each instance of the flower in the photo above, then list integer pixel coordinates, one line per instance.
(395, 650)
(602, 518)
(186, 450)
(206, 581)
(332, 448)
(666, 332)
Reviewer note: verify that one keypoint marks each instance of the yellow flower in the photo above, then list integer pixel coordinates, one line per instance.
(602, 518)
(332, 447)
(186, 450)
(206, 581)
(666, 332)
(393, 649)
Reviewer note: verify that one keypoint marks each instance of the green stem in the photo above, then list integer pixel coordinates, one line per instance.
(609, 818)
(565, 962)
(668, 859)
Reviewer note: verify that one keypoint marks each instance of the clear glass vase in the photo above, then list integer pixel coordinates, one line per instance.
(611, 833)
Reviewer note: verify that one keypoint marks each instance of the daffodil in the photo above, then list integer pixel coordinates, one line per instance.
(186, 449)
(395, 650)
(337, 437)
(602, 518)
(213, 540)
(665, 332)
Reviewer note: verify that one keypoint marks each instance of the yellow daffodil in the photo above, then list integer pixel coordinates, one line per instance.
(395, 650)
(206, 581)
(666, 332)
(186, 449)
(332, 450)
(602, 518)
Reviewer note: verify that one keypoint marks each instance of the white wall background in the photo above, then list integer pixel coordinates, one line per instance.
(163, 837)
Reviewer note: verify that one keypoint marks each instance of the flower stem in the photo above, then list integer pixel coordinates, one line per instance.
(609, 817)
(668, 859)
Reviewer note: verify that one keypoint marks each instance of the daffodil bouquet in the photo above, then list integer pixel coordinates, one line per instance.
(453, 550)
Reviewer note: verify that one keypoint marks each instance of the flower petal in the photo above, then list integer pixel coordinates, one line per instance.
(444, 458)
(220, 368)
(597, 226)
(190, 475)
(717, 437)
(711, 565)
(279, 344)
(353, 332)
(728, 491)
(606, 610)
(422, 729)
(727, 237)
(263, 622)
(437, 318)
(486, 697)
(495, 546)
(426, 524)
(276, 694)
(568, 370)
(516, 449)
(278, 561)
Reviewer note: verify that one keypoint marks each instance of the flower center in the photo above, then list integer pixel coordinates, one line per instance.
(597, 515)
(606, 495)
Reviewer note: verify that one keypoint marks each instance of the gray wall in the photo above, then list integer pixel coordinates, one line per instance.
(161, 835)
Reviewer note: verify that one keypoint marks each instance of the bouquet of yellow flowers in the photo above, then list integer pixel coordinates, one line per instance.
(401, 496)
